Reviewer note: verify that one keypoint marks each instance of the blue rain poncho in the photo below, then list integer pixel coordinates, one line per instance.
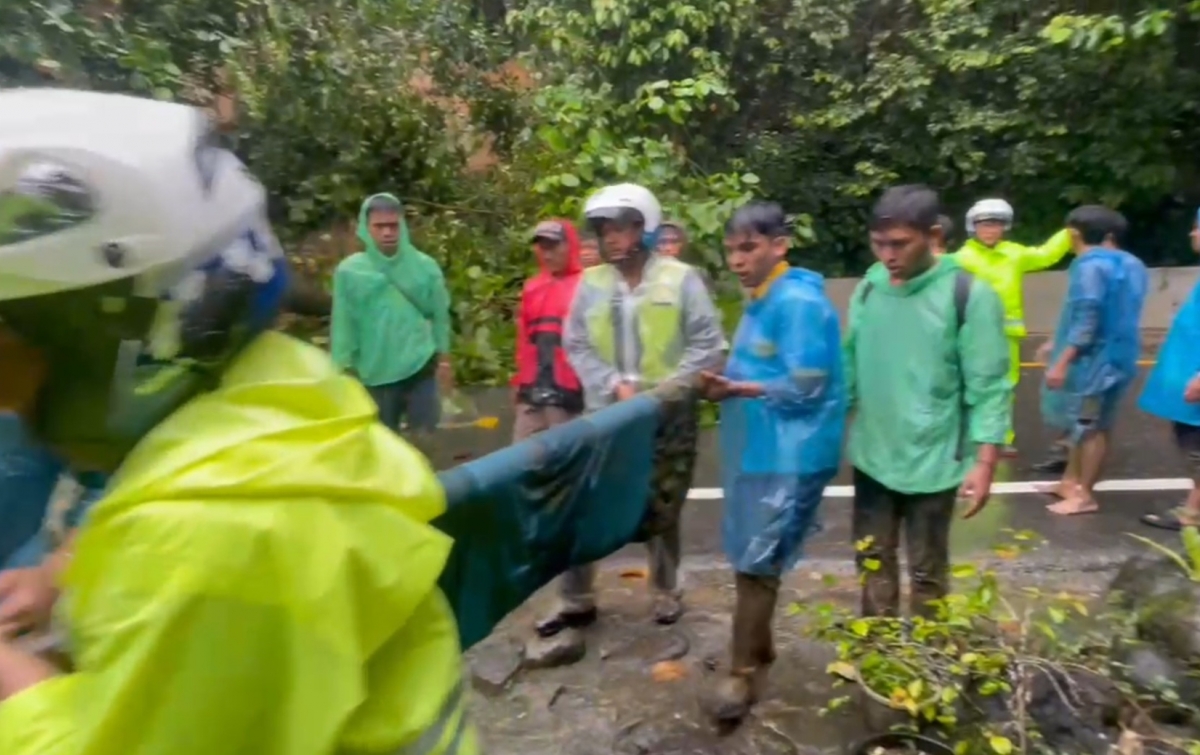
(1178, 362)
(1106, 289)
(29, 475)
(779, 451)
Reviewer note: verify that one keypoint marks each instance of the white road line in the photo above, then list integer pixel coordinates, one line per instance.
(1010, 488)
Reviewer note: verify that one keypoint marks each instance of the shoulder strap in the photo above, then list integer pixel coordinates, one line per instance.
(962, 295)
(867, 288)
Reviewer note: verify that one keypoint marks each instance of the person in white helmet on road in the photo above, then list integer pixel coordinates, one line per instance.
(636, 321)
(260, 575)
(1002, 263)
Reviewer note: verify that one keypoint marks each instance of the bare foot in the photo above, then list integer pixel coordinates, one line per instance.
(1058, 489)
(1077, 504)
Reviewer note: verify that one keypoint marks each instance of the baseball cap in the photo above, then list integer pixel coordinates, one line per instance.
(550, 230)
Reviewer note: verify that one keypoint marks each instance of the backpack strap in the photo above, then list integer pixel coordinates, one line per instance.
(962, 295)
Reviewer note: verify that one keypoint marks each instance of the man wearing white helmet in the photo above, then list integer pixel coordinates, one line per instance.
(1002, 263)
(636, 321)
(261, 574)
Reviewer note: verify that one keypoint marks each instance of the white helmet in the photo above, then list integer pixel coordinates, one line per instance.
(620, 200)
(132, 188)
(134, 255)
(989, 209)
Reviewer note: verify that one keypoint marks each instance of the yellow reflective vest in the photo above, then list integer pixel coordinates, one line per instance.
(261, 579)
(657, 313)
(1004, 266)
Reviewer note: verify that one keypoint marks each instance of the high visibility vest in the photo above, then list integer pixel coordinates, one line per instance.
(658, 314)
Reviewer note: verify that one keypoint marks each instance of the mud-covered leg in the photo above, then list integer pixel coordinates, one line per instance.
(664, 551)
(753, 648)
(876, 528)
(927, 523)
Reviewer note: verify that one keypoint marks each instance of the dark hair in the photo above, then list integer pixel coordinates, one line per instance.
(382, 204)
(763, 218)
(1095, 223)
(947, 226)
(914, 205)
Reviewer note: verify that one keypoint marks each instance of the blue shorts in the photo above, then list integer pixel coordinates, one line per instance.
(1095, 413)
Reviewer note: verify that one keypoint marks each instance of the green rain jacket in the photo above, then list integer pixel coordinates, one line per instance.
(923, 391)
(391, 315)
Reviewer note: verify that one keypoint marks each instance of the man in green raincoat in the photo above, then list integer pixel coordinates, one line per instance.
(391, 318)
(927, 379)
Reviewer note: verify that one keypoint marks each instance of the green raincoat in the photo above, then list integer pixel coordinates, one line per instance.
(923, 391)
(391, 315)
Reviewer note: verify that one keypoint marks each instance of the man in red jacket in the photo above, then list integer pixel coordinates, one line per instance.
(546, 389)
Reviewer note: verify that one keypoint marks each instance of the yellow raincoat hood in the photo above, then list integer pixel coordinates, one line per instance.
(255, 582)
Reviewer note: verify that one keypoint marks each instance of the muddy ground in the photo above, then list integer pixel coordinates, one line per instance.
(639, 688)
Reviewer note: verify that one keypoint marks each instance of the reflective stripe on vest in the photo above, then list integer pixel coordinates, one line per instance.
(658, 313)
(451, 718)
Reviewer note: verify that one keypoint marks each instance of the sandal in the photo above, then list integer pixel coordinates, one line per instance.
(1171, 519)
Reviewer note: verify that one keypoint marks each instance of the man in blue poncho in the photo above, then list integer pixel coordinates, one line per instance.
(782, 418)
(1173, 392)
(1095, 351)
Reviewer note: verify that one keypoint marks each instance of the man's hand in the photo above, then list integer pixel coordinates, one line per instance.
(27, 598)
(977, 487)
(1056, 376)
(1191, 394)
(718, 387)
(714, 387)
(625, 391)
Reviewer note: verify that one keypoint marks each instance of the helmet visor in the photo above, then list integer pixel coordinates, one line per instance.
(621, 218)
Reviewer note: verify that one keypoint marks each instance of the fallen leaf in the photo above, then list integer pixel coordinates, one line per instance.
(668, 671)
(634, 574)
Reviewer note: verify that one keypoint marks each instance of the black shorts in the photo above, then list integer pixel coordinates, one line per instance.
(1187, 439)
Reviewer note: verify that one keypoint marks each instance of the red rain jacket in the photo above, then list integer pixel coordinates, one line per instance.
(544, 376)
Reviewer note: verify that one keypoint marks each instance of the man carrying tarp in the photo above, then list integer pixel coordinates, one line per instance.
(1002, 264)
(261, 574)
(637, 321)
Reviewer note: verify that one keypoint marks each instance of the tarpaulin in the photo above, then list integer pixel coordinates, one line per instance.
(571, 495)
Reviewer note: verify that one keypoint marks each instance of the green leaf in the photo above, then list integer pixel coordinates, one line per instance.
(656, 103)
(570, 180)
(1000, 745)
(963, 571)
(860, 627)
(750, 179)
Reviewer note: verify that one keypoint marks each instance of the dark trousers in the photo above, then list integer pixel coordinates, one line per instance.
(414, 399)
(879, 514)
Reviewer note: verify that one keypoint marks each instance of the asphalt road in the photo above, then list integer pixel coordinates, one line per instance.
(1142, 456)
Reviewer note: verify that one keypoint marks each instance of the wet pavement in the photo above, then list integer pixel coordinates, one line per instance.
(639, 687)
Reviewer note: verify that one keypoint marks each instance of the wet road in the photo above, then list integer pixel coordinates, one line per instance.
(1142, 456)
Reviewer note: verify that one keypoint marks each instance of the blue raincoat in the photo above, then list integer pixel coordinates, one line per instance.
(779, 451)
(1178, 363)
(28, 476)
(1105, 292)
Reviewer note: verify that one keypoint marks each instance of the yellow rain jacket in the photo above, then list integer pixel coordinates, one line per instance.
(261, 580)
(1004, 266)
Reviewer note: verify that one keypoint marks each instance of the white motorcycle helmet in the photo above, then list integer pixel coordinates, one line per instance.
(989, 209)
(134, 256)
(626, 202)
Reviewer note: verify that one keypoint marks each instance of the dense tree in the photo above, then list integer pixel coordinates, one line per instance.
(486, 115)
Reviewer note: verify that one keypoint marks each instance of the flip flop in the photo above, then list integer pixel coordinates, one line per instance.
(1168, 520)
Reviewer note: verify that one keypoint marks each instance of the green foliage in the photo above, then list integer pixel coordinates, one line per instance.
(980, 652)
(485, 125)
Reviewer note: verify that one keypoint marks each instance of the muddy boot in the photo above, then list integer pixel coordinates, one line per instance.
(565, 618)
(753, 649)
(668, 608)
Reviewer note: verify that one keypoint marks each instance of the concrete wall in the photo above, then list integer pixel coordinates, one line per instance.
(1044, 292)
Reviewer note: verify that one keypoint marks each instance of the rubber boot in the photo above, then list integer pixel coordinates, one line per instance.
(753, 649)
